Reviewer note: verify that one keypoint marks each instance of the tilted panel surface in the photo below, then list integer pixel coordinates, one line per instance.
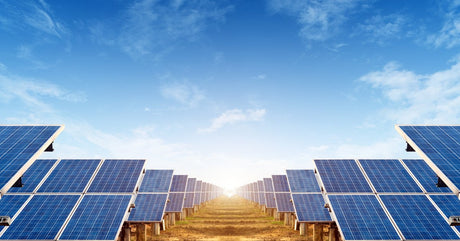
(342, 176)
(191, 182)
(302, 181)
(268, 184)
(310, 208)
(10, 205)
(389, 176)
(188, 202)
(70, 176)
(42, 217)
(283, 202)
(280, 183)
(117, 176)
(179, 183)
(197, 198)
(261, 186)
(270, 198)
(156, 181)
(361, 217)
(33, 176)
(149, 208)
(425, 175)
(449, 205)
(417, 218)
(176, 202)
(98, 217)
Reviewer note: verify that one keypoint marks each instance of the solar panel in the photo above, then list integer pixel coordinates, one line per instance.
(260, 185)
(302, 181)
(42, 217)
(389, 176)
(156, 181)
(149, 208)
(10, 205)
(268, 184)
(310, 208)
(283, 202)
(191, 184)
(360, 217)
(425, 175)
(70, 176)
(117, 176)
(176, 202)
(188, 202)
(417, 218)
(270, 198)
(19, 147)
(33, 176)
(449, 205)
(197, 198)
(179, 183)
(98, 217)
(280, 183)
(342, 176)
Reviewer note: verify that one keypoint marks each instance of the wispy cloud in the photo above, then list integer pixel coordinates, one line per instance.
(235, 116)
(184, 93)
(379, 29)
(449, 34)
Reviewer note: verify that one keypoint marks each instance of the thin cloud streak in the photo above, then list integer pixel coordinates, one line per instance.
(234, 116)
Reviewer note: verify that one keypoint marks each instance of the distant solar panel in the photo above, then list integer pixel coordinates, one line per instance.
(98, 217)
(389, 176)
(302, 181)
(10, 205)
(342, 176)
(149, 208)
(191, 182)
(179, 183)
(33, 176)
(283, 202)
(176, 202)
(197, 198)
(19, 147)
(42, 217)
(70, 176)
(280, 183)
(268, 184)
(156, 181)
(188, 202)
(360, 217)
(270, 198)
(117, 176)
(425, 175)
(310, 208)
(406, 211)
(260, 185)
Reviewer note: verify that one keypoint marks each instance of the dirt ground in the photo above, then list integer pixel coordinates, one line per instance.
(229, 218)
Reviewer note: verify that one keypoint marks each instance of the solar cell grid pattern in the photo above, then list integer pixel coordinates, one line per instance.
(302, 181)
(260, 185)
(268, 184)
(179, 183)
(18, 144)
(189, 197)
(417, 218)
(425, 175)
(70, 176)
(156, 181)
(10, 204)
(442, 146)
(98, 217)
(149, 208)
(42, 217)
(280, 183)
(389, 176)
(197, 198)
(191, 184)
(33, 176)
(449, 205)
(283, 203)
(342, 176)
(361, 217)
(176, 202)
(310, 208)
(117, 176)
(270, 198)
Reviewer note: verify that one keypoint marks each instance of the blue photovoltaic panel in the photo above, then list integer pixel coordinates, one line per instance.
(425, 175)
(342, 176)
(270, 198)
(117, 176)
(449, 205)
(10, 204)
(149, 208)
(310, 208)
(176, 202)
(33, 176)
(361, 217)
(42, 217)
(441, 144)
(156, 181)
(191, 184)
(179, 183)
(98, 217)
(283, 203)
(302, 181)
(197, 198)
(188, 202)
(389, 176)
(18, 144)
(268, 184)
(417, 218)
(262, 200)
(280, 183)
(70, 176)
(261, 186)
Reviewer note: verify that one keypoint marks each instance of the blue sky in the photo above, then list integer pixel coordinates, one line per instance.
(229, 91)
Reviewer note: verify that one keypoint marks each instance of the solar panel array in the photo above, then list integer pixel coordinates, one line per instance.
(177, 194)
(190, 194)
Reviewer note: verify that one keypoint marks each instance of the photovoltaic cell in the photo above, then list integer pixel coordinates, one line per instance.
(117, 176)
(280, 183)
(156, 181)
(342, 176)
(191, 184)
(417, 218)
(197, 198)
(188, 202)
(98, 217)
(10, 205)
(70, 176)
(149, 208)
(33, 176)
(425, 175)
(283, 202)
(389, 176)
(449, 205)
(268, 184)
(176, 202)
(270, 198)
(302, 181)
(310, 208)
(361, 217)
(42, 217)
(179, 183)
(260, 185)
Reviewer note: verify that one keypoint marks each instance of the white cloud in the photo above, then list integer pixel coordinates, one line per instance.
(235, 116)
(380, 28)
(2, 67)
(449, 35)
(184, 93)
(261, 76)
